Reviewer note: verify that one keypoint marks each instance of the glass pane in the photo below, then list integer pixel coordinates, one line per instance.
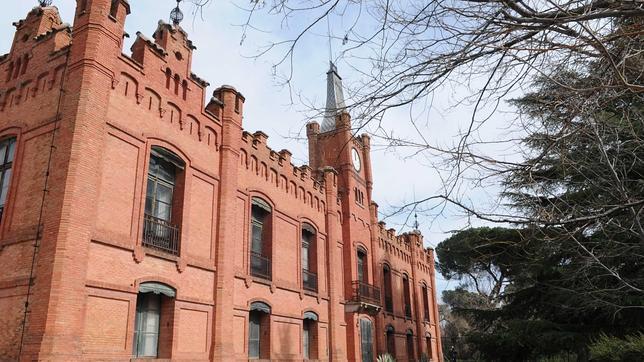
(149, 342)
(3, 152)
(166, 171)
(360, 268)
(256, 242)
(163, 211)
(305, 257)
(12, 146)
(153, 169)
(306, 341)
(4, 179)
(164, 193)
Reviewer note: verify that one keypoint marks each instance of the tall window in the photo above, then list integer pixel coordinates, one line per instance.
(260, 248)
(407, 296)
(366, 340)
(309, 336)
(162, 201)
(362, 266)
(153, 315)
(391, 340)
(428, 342)
(259, 331)
(7, 150)
(309, 260)
(386, 281)
(425, 302)
(411, 355)
(114, 8)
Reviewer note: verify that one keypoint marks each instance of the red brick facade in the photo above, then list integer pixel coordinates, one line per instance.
(86, 119)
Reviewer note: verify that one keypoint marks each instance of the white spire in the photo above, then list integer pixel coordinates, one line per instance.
(334, 99)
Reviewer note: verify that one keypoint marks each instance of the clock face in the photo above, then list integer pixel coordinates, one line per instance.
(355, 158)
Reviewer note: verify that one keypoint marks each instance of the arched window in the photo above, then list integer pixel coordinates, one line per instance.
(259, 331)
(153, 321)
(390, 334)
(25, 64)
(366, 340)
(7, 151)
(309, 258)
(184, 86)
(168, 77)
(310, 336)
(411, 355)
(428, 343)
(260, 239)
(363, 275)
(425, 301)
(177, 81)
(406, 296)
(386, 287)
(163, 201)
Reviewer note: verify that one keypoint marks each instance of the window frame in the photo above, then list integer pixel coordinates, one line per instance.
(9, 145)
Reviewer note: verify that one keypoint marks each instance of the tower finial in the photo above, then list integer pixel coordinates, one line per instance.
(328, 29)
(176, 15)
(416, 221)
(44, 3)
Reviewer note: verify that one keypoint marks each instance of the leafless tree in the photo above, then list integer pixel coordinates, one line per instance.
(407, 50)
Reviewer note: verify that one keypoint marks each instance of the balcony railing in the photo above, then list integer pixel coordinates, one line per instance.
(309, 281)
(365, 293)
(260, 266)
(389, 304)
(161, 235)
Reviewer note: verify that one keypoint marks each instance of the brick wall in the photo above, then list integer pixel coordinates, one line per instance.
(90, 147)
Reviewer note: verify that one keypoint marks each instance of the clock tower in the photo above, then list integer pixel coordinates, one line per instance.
(336, 144)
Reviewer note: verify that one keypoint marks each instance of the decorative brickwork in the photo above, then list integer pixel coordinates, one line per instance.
(129, 227)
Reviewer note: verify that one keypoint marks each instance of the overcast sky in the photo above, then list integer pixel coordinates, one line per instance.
(276, 110)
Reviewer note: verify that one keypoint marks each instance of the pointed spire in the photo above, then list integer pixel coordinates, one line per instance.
(334, 99)
(416, 221)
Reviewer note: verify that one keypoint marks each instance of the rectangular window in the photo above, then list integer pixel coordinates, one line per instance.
(306, 339)
(7, 151)
(254, 329)
(147, 322)
(366, 340)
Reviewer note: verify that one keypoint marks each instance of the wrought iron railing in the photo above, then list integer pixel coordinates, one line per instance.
(389, 304)
(160, 234)
(260, 266)
(309, 281)
(408, 310)
(365, 293)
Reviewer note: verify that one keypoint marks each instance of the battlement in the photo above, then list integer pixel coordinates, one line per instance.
(276, 169)
(36, 61)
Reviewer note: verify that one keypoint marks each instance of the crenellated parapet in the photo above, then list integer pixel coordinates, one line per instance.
(34, 66)
(401, 246)
(275, 168)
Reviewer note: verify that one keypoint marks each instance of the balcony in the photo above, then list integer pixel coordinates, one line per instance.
(365, 298)
(260, 266)
(161, 235)
(309, 281)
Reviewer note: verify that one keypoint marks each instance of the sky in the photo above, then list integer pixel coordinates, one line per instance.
(224, 55)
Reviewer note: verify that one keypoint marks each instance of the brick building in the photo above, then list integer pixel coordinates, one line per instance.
(139, 219)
